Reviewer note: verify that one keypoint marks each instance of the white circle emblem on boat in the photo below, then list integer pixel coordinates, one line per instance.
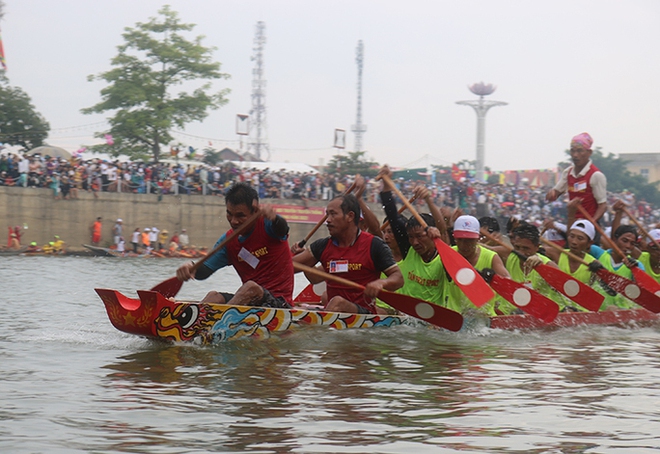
(319, 288)
(424, 310)
(657, 293)
(522, 297)
(465, 276)
(632, 291)
(571, 288)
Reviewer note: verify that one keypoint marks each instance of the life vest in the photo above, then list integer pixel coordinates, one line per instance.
(579, 187)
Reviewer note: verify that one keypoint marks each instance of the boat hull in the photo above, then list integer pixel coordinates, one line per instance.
(156, 317)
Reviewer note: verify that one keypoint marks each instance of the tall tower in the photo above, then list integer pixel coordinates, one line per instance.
(258, 144)
(358, 128)
(481, 107)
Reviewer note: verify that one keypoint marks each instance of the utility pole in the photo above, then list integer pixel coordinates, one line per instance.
(358, 128)
(258, 144)
(481, 107)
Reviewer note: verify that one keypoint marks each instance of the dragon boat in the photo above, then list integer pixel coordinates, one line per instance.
(156, 317)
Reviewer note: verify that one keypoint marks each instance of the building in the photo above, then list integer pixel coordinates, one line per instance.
(645, 164)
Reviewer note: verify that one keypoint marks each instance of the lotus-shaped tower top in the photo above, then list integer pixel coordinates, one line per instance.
(482, 89)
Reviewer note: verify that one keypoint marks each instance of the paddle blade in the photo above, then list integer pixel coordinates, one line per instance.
(465, 276)
(527, 299)
(429, 312)
(645, 280)
(630, 290)
(571, 288)
(168, 288)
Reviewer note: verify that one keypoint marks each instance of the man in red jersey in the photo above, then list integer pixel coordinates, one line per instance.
(260, 256)
(583, 179)
(352, 254)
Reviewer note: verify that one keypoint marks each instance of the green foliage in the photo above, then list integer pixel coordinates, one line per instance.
(353, 163)
(620, 178)
(20, 123)
(154, 60)
(211, 156)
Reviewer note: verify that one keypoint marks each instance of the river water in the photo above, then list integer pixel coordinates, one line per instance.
(72, 383)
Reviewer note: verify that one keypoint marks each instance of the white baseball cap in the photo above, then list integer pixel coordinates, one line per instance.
(655, 234)
(119, 220)
(585, 227)
(466, 227)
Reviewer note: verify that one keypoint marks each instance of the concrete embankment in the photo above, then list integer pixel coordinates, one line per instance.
(202, 216)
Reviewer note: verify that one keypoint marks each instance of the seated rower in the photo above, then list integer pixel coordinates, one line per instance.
(424, 275)
(354, 255)
(579, 239)
(467, 234)
(625, 237)
(650, 256)
(260, 255)
(525, 239)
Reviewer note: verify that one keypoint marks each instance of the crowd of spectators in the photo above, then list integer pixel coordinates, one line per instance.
(67, 177)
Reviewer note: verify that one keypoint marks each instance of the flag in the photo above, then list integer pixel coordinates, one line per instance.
(191, 152)
(109, 140)
(457, 173)
(174, 151)
(3, 62)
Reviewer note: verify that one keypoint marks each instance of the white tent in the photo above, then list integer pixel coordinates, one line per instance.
(276, 166)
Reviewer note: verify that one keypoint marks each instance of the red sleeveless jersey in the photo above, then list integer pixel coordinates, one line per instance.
(354, 263)
(273, 267)
(579, 187)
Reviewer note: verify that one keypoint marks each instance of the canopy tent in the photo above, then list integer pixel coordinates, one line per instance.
(275, 166)
(53, 152)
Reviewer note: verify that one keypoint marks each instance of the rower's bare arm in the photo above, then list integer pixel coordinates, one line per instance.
(394, 280)
(373, 226)
(307, 258)
(499, 268)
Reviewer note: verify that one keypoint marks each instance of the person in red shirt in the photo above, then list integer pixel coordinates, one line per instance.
(260, 256)
(582, 180)
(352, 254)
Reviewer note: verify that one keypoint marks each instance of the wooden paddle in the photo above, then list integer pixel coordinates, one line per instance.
(318, 225)
(460, 270)
(171, 286)
(564, 283)
(641, 228)
(429, 312)
(641, 277)
(401, 210)
(619, 284)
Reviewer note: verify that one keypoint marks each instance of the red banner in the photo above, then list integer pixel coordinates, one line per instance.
(300, 214)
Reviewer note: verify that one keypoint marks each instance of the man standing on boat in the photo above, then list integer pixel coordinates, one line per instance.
(354, 255)
(96, 231)
(260, 255)
(583, 180)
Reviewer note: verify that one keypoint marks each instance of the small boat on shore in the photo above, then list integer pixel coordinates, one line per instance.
(156, 317)
(7, 252)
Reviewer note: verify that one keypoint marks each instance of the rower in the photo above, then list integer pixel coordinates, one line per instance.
(260, 256)
(467, 234)
(650, 257)
(525, 239)
(422, 269)
(352, 254)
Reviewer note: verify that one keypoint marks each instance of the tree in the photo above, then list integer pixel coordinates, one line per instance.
(353, 163)
(20, 123)
(154, 59)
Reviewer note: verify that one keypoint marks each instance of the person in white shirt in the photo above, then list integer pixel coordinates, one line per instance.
(135, 239)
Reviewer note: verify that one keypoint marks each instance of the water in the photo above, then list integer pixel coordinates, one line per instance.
(70, 382)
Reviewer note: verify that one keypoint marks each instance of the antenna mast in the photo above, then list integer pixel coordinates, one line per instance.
(258, 137)
(358, 128)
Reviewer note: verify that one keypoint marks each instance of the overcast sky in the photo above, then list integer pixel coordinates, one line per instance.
(564, 67)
